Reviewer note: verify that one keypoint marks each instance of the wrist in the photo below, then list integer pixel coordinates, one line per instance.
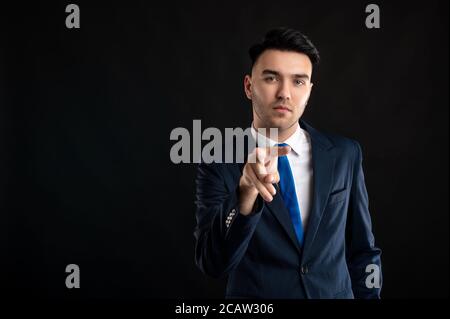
(247, 200)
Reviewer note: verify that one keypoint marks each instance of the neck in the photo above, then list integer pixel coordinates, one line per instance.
(283, 135)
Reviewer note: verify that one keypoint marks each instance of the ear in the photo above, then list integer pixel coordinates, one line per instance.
(310, 89)
(248, 86)
(309, 94)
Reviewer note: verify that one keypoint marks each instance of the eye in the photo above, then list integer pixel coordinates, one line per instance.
(299, 82)
(270, 79)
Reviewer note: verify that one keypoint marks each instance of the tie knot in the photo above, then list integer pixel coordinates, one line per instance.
(282, 144)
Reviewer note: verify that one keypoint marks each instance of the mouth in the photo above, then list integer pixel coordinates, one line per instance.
(282, 109)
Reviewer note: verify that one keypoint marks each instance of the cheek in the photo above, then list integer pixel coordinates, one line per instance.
(302, 98)
(262, 95)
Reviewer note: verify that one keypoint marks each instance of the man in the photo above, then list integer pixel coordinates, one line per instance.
(291, 224)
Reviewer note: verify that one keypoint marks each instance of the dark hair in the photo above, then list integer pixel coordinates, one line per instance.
(285, 39)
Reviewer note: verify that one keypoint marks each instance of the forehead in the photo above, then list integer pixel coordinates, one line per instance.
(285, 62)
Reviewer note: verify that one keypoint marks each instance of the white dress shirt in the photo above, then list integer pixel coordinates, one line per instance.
(300, 160)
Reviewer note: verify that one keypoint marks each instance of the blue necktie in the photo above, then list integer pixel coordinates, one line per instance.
(287, 190)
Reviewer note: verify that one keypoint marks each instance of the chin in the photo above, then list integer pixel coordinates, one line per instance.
(280, 123)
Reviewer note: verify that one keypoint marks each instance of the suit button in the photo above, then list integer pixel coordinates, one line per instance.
(304, 269)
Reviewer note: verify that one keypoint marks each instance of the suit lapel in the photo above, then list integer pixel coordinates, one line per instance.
(280, 212)
(323, 160)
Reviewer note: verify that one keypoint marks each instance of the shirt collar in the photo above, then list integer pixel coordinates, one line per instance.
(295, 141)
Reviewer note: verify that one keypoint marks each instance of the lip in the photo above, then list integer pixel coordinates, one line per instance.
(282, 108)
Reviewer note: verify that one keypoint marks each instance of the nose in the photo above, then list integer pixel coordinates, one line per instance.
(284, 92)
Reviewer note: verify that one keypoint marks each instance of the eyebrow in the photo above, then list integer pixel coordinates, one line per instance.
(297, 76)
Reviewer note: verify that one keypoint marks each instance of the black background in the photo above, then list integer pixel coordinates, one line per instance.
(86, 116)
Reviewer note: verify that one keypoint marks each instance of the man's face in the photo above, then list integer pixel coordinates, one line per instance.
(279, 87)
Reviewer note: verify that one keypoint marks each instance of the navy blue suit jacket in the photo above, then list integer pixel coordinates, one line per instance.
(260, 254)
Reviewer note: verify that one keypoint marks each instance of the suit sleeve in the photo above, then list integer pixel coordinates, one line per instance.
(221, 234)
(362, 254)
